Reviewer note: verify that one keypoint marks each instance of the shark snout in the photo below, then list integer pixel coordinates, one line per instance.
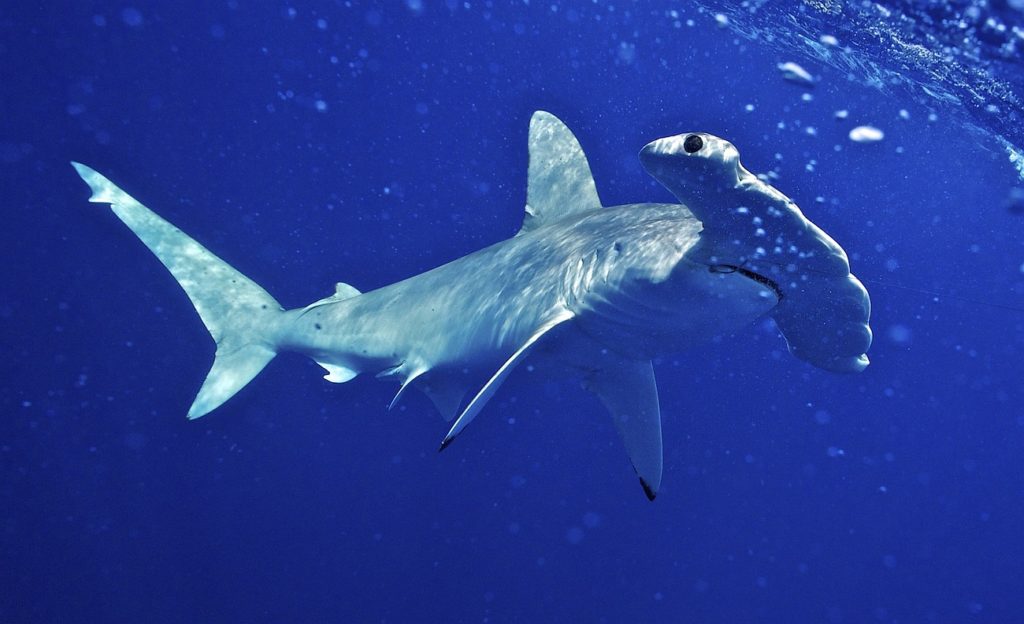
(655, 160)
(678, 145)
(671, 153)
(671, 161)
(661, 151)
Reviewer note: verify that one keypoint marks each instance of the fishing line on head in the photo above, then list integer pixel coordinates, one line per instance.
(730, 268)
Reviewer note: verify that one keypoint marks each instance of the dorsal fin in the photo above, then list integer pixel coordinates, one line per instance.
(560, 183)
(342, 291)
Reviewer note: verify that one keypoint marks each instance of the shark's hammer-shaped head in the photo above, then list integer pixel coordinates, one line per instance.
(751, 228)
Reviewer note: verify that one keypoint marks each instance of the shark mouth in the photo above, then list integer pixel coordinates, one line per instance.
(747, 273)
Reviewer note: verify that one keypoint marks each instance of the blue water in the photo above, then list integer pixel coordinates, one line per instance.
(308, 143)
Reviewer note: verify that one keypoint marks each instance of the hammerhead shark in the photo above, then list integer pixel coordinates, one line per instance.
(581, 290)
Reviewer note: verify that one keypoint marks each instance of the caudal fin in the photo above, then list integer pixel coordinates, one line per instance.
(239, 314)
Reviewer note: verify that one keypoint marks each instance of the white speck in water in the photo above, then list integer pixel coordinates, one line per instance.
(795, 73)
(866, 134)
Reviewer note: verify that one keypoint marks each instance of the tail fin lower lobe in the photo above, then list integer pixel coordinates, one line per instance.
(239, 314)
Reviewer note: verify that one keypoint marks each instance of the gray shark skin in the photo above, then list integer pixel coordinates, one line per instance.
(582, 290)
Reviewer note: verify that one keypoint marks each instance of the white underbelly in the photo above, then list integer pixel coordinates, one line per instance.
(644, 320)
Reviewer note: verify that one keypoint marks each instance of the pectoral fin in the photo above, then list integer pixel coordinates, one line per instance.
(499, 377)
(628, 390)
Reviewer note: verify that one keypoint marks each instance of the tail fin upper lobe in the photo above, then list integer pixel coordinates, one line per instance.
(239, 314)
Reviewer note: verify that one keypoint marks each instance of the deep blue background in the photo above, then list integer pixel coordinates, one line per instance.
(790, 494)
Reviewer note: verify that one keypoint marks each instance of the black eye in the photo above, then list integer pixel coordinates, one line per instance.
(693, 143)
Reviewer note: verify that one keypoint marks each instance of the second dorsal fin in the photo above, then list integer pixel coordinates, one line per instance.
(560, 183)
(342, 291)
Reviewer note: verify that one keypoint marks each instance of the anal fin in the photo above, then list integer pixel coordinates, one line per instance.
(628, 391)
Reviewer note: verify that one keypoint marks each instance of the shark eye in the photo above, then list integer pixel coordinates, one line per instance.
(693, 143)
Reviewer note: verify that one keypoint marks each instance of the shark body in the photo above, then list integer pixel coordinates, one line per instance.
(582, 290)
